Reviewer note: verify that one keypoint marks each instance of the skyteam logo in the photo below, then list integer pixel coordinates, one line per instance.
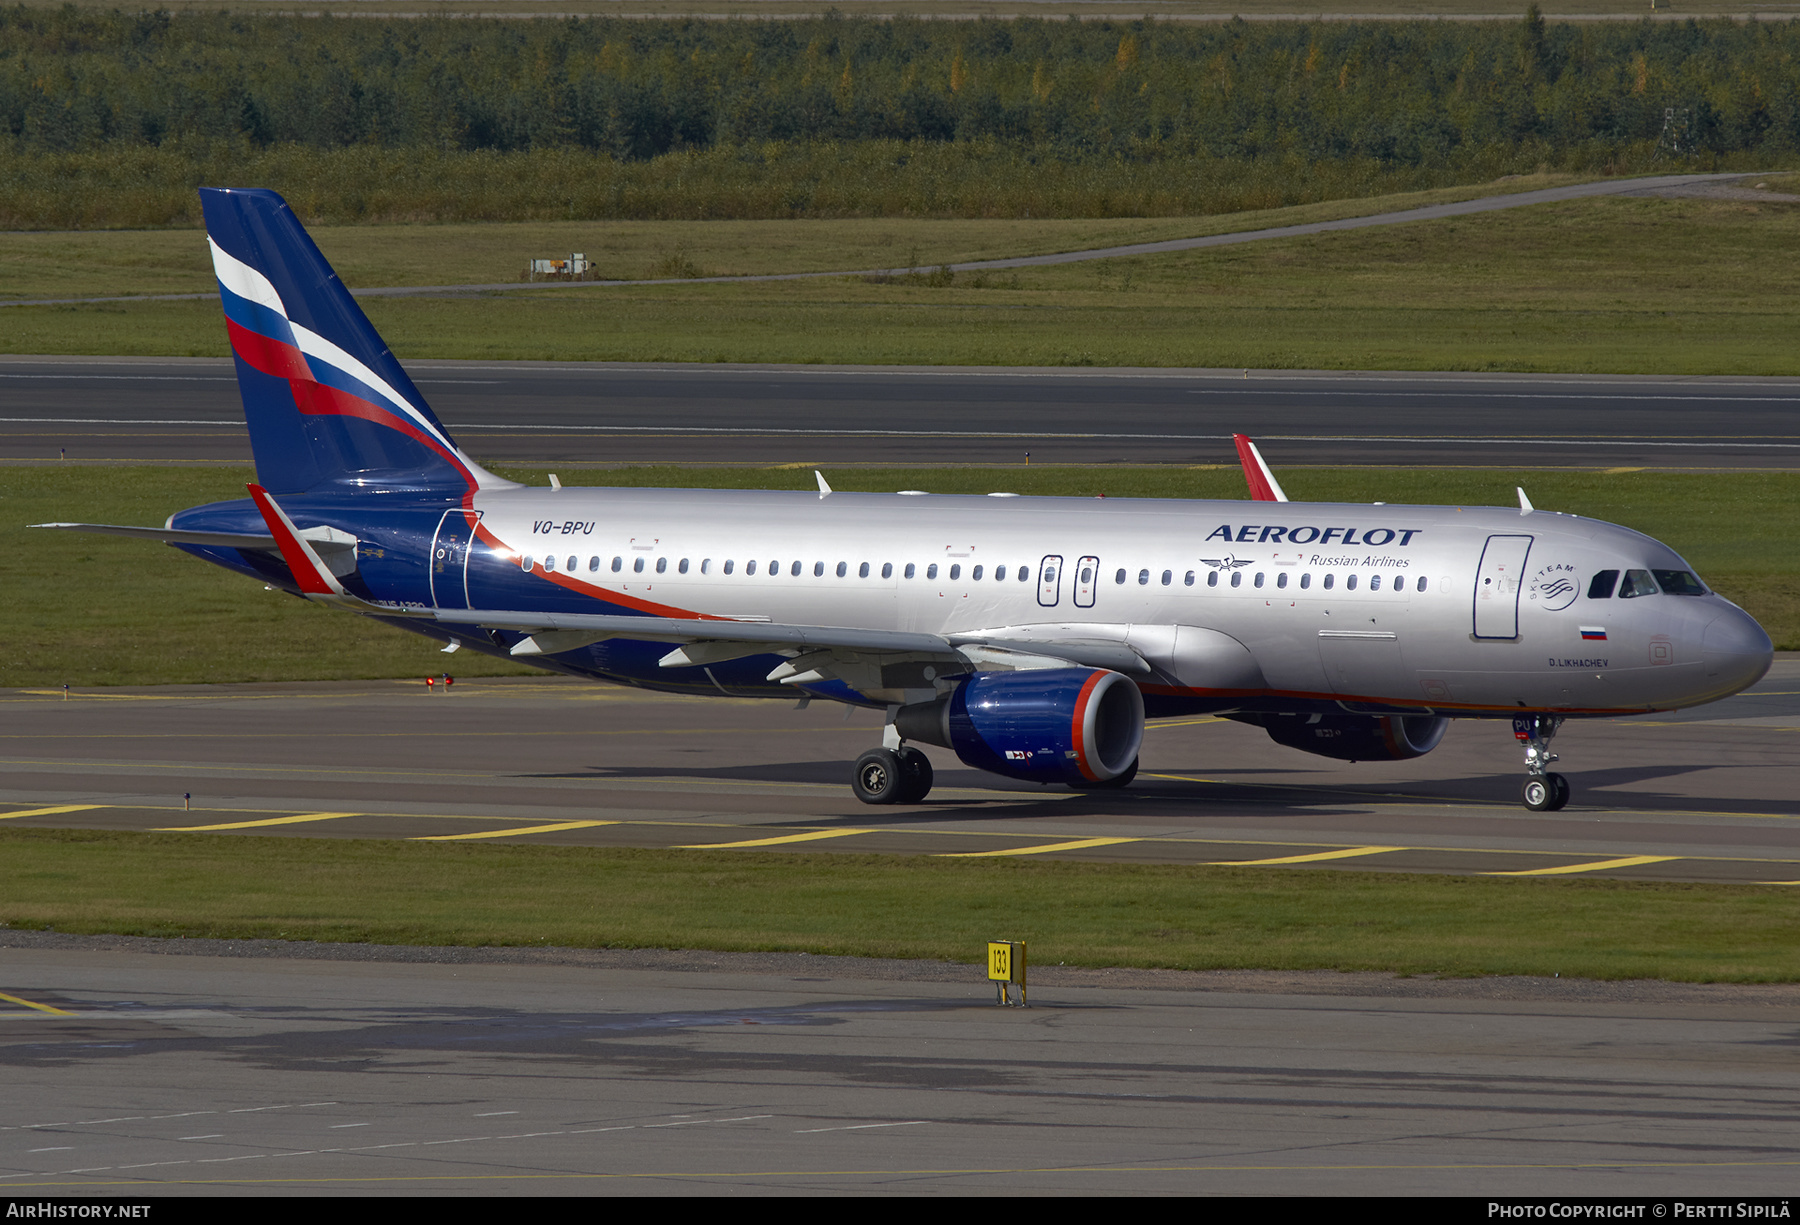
(1554, 587)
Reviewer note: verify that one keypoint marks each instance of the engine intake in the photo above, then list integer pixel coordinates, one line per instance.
(1065, 725)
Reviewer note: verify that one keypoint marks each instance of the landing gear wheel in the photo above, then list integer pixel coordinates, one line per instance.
(915, 769)
(1546, 793)
(1116, 783)
(878, 777)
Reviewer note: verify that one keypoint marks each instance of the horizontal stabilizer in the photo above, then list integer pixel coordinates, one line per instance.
(218, 540)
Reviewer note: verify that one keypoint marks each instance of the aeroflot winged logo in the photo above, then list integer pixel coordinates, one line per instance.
(1228, 562)
(1256, 533)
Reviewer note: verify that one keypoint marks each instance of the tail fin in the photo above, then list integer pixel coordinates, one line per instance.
(326, 403)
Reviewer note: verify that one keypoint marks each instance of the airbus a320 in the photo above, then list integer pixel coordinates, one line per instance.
(1031, 636)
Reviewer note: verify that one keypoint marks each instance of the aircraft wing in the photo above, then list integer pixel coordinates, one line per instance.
(717, 640)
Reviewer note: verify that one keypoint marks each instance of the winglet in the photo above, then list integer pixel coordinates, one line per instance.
(1263, 485)
(824, 489)
(314, 577)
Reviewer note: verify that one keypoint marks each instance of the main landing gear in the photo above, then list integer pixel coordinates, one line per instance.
(890, 776)
(1544, 790)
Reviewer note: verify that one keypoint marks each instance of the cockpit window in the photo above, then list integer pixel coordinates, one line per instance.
(1637, 583)
(1601, 588)
(1679, 582)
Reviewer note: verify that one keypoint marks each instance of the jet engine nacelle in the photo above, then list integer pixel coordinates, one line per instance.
(1358, 737)
(1052, 725)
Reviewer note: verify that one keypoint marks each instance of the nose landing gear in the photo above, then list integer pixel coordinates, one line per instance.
(1544, 790)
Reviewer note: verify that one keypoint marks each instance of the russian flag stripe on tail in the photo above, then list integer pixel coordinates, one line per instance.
(326, 402)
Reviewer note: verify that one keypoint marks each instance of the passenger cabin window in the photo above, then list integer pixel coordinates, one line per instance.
(1305, 581)
(1189, 580)
(1237, 578)
(887, 569)
(999, 574)
(956, 571)
(1327, 583)
(1143, 578)
(1374, 582)
(749, 567)
(1637, 583)
(975, 575)
(550, 563)
(593, 564)
(910, 569)
(1281, 580)
(682, 568)
(1350, 583)
(1420, 585)
(931, 570)
(662, 565)
(1259, 578)
(1212, 578)
(706, 565)
(1601, 587)
(728, 565)
(818, 569)
(526, 562)
(862, 571)
(618, 564)
(843, 569)
(1119, 578)
(637, 565)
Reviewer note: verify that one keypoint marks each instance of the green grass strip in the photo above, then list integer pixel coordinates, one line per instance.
(198, 885)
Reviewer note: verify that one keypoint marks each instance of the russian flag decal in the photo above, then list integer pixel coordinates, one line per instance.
(1593, 633)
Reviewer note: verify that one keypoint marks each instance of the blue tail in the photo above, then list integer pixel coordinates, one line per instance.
(326, 403)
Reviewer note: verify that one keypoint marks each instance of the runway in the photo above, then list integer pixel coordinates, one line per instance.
(134, 1073)
(1705, 795)
(122, 410)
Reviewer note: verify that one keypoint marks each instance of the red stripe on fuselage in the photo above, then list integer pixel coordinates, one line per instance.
(619, 599)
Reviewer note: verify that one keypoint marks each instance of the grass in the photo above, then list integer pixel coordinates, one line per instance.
(98, 610)
(198, 885)
(83, 263)
(1091, 9)
(1646, 286)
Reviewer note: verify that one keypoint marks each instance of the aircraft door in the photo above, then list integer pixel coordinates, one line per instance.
(1050, 581)
(450, 558)
(1497, 586)
(1087, 578)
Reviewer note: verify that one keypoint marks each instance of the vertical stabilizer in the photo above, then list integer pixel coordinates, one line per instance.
(326, 403)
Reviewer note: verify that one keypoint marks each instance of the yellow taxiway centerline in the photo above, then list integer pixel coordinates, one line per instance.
(513, 833)
(1316, 857)
(299, 820)
(814, 836)
(1630, 861)
(1078, 844)
(13, 999)
(45, 812)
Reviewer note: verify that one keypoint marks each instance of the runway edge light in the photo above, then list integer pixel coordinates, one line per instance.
(1006, 968)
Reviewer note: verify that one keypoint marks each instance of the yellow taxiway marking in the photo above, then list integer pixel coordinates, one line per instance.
(514, 832)
(1077, 845)
(1315, 857)
(1600, 865)
(814, 836)
(299, 820)
(45, 812)
(13, 999)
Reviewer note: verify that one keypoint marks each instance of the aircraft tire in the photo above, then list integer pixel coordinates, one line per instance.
(1563, 791)
(1539, 794)
(916, 774)
(1117, 782)
(879, 777)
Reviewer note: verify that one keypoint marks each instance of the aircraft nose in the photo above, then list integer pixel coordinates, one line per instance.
(1735, 650)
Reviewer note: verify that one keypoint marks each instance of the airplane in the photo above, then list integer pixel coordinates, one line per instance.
(1031, 636)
